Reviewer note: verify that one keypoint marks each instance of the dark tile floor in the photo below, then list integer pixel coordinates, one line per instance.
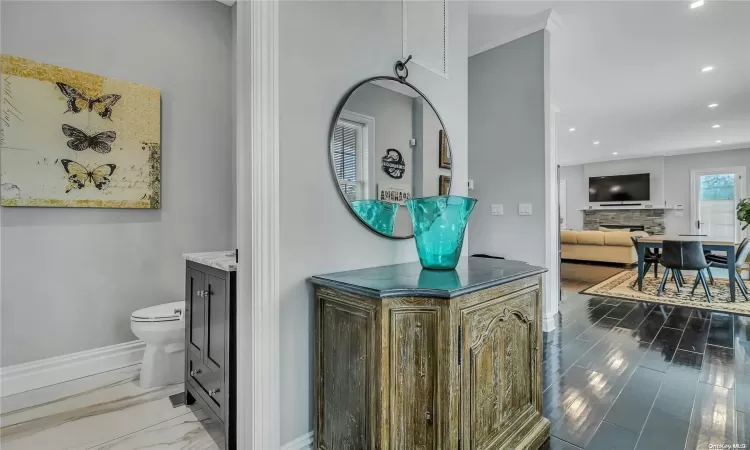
(631, 375)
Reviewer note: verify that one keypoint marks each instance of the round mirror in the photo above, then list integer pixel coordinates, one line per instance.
(388, 144)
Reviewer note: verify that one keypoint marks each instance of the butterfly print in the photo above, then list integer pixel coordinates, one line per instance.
(80, 141)
(79, 175)
(78, 101)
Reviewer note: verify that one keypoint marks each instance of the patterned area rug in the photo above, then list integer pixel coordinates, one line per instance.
(619, 286)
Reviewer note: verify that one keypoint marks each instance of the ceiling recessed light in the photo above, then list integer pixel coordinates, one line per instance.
(596, 142)
(713, 105)
(571, 129)
(697, 4)
(716, 126)
(718, 142)
(614, 153)
(707, 69)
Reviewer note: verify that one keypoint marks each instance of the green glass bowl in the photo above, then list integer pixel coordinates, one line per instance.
(439, 226)
(379, 215)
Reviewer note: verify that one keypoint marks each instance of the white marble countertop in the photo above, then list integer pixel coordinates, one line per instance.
(220, 260)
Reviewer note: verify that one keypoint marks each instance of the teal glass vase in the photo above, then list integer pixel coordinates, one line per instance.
(439, 226)
(379, 215)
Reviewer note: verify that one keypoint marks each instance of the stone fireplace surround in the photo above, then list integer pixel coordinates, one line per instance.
(652, 220)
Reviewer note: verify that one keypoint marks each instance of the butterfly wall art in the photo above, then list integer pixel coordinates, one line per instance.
(75, 139)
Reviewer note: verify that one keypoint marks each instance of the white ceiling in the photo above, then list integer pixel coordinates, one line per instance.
(628, 73)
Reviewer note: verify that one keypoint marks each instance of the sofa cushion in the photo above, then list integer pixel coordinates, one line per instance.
(621, 239)
(591, 238)
(606, 230)
(569, 237)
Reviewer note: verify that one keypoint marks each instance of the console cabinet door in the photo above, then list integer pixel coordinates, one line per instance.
(498, 376)
(195, 314)
(216, 322)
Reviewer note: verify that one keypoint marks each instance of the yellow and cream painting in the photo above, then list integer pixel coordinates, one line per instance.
(75, 139)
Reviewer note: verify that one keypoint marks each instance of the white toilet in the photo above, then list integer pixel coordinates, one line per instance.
(162, 328)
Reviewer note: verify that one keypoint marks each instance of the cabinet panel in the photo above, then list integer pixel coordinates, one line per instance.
(196, 312)
(346, 376)
(209, 383)
(414, 379)
(216, 322)
(498, 379)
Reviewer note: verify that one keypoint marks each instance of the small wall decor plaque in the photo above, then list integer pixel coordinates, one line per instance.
(75, 139)
(397, 193)
(393, 163)
(445, 185)
(445, 154)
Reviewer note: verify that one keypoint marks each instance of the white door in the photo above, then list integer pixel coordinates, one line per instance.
(715, 194)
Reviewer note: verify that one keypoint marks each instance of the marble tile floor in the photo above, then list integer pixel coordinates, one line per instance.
(104, 411)
(631, 375)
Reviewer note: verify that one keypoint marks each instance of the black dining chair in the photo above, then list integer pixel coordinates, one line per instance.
(677, 256)
(651, 257)
(716, 261)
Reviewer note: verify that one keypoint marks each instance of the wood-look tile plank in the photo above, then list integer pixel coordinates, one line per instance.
(721, 331)
(669, 419)
(718, 367)
(695, 336)
(634, 402)
(612, 437)
(713, 417)
(662, 350)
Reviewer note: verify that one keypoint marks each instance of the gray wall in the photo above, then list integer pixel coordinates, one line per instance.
(670, 181)
(72, 277)
(506, 147)
(326, 48)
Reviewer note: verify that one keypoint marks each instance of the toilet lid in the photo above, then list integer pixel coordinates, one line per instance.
(160, 313)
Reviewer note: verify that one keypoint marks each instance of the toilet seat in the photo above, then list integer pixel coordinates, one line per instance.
(166, 312)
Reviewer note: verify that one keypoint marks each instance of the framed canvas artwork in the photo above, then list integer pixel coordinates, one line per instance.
(75, 139)
(445, 185)
(445, 154)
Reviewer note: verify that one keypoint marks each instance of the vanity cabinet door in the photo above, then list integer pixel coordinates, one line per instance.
(498, 371)
(216, 322)
(195, 312)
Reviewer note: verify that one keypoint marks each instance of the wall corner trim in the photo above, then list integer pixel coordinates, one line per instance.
(546, 20)
(59, 369)
(257, 90)
(304, 442)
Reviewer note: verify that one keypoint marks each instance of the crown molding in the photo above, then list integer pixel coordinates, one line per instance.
(546, 20)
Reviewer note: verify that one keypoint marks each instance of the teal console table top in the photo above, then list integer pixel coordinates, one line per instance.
(411, 280)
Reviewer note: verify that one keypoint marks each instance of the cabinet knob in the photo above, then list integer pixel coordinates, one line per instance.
(194, 372)
(213, 392)
(199, 293)
(428, 416)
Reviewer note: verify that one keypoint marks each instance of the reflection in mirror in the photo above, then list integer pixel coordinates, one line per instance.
(389, 145)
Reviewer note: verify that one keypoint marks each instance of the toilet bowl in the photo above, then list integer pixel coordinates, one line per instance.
(162, 328)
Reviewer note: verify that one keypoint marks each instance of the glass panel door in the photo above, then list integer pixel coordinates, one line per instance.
(715, 198)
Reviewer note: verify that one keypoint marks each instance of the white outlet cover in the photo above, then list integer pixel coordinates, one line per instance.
(497, 209)
(524, 209)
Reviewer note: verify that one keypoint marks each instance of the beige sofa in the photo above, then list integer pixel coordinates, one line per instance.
(602, 246)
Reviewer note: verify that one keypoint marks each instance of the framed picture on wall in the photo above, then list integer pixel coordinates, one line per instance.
(445, 154)
(71, 139)
(445, 185)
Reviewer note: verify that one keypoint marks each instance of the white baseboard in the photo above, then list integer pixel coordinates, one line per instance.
(548, 323)
(45, 372)
(304, 442)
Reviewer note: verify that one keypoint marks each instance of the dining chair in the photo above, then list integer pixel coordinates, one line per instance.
(677, 256)
(721, 262)
(651, 257)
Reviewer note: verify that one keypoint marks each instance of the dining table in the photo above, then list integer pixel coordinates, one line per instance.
(657, 241)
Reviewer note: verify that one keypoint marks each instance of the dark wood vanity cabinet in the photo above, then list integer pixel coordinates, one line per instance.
(209, 343)
(452, 361)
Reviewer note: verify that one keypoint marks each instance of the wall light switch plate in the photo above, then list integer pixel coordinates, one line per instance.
(524, 209)
(497, 210)
(471, 184)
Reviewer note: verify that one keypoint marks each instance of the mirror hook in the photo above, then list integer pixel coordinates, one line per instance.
(400, 66)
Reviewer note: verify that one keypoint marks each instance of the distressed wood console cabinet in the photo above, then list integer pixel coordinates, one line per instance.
(413, 359)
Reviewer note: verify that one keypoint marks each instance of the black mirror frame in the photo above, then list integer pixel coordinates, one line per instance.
(335, 120)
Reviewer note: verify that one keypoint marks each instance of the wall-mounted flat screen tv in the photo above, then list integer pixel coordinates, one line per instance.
(620, 188)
